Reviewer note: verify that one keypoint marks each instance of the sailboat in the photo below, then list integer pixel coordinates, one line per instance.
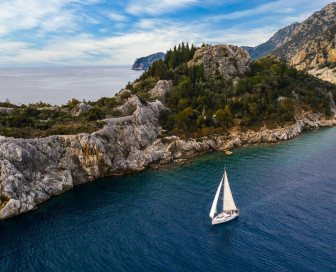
(230, 210)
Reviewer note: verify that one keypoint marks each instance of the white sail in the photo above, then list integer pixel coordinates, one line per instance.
(214, 203)
(228, 202)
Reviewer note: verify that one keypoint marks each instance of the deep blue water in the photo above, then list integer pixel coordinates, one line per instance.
(158, 220)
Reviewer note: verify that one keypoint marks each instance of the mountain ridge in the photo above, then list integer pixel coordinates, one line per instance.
(275, 41)
(308, 30)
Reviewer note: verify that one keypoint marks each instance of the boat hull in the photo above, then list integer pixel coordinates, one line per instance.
(224, 217)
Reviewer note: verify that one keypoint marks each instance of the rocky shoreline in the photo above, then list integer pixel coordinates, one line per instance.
(33, 170)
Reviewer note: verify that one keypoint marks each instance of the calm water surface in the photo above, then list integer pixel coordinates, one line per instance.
(158, 221)
(57, 85)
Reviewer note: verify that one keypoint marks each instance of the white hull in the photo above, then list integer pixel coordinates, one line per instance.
(224, 217)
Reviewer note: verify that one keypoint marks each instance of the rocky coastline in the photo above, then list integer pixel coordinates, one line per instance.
(33, 170)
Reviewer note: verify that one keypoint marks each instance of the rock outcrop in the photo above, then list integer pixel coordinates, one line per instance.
(144, 62)
(80, 108)
(33, 170)
(227, 60)
(179, 150)
(318, 57)
(161, 88)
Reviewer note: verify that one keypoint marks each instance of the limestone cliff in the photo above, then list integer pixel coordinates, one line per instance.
(318, 57)
(227, 60)
(33, 170)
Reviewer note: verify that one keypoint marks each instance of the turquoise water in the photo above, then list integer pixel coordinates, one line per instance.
(158, 220)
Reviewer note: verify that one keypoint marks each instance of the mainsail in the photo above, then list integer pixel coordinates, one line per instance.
(228, 202)
(214, 204)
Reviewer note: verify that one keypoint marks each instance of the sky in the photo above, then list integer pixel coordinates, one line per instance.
(114, 32)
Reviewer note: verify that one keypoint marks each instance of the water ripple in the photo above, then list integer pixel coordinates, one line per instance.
(158, 220)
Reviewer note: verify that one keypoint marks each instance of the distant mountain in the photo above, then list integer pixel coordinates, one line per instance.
(318, 57)
(144, 62)
(307, 31)
(275, 41)
(311, 46)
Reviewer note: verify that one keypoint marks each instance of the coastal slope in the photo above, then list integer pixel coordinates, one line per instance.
(33, 170)
(220, 76)
(311, 46)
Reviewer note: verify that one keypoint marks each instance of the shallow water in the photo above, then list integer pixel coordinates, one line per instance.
(158, 220)
(57, 85)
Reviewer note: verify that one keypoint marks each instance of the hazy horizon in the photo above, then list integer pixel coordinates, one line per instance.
(57, 85)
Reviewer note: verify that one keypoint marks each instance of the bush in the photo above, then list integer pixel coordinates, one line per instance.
(93, 114)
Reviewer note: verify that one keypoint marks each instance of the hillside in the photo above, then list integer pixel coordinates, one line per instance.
(307, 31)
(212, 98)
(206, 90)
(275, 41)
(206, 96)
(318, 57)
(144, 62)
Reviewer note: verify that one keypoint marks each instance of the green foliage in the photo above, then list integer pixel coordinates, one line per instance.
(93, 114)
(107, 102)
(200, 106)
(8, 104)
(125, 95)
(224, 117)
(38, 121)
(196, 106)
(181, 54)
(72, 103)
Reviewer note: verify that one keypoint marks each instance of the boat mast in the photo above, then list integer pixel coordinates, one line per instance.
(224, 185)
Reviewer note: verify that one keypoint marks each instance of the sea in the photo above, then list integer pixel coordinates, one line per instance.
(58, 85)
(159, 220)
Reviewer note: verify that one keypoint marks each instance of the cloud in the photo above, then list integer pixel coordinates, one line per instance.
(64, 32)
(85, 49)
(274, 7)
(43, 16)
(156, 7)
(151, 23)
(9, 48)
(117, 17)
